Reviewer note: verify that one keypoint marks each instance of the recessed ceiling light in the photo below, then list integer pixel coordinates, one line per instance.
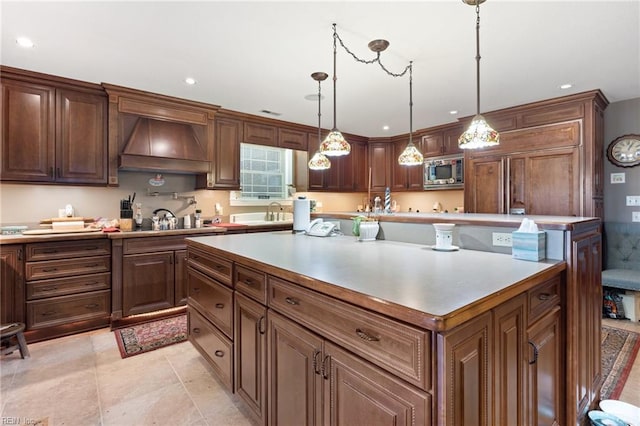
(453, 112)
(24, 42)
(190, 81)
(566, 86)
(385, 127)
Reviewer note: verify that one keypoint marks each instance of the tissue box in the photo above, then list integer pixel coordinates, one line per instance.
(528, 245)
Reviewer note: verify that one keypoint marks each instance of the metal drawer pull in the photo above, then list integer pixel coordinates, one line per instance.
(196, 330)
(325, 367)
(49, 313)
(49, 251)
(92, 248)
(248, 281)
(93, 265)
(49, 269)
(291, 301)
(544, 296)
(535, 353)
(92, 283)
(219, 353)
(364, 336)
(196, 289)
(91, 305)
(260, 324)
(219, 268)
(48, 288)
(220, 305)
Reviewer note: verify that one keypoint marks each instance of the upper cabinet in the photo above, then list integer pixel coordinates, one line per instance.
(549, 160)
(442, 140)
(405, 178)
(348, 173)
(154, 132)
(264, 131)
(54, 130)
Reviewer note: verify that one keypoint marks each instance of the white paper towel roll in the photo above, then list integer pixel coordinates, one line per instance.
(301, 214)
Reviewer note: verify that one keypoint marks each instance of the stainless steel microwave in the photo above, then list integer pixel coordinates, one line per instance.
(444, 172)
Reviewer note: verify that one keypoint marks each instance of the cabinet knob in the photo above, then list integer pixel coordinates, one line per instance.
(291, 301)
(195, 330)
(544, 296)
(220, 305)
(219, 353)
(248, 281)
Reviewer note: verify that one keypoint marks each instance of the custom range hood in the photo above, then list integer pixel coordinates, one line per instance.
(154, 132)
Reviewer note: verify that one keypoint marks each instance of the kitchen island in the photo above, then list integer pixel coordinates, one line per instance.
(331, 330)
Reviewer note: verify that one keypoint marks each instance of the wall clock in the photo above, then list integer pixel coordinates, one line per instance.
(625, 151)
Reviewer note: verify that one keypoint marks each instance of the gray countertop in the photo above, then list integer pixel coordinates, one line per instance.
(383, 274)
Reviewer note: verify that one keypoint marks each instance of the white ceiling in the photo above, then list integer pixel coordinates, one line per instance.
(253, 56)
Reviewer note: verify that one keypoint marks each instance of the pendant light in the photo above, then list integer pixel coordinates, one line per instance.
(319, 161)
(411, 156)
(479, 134)
(335, 144)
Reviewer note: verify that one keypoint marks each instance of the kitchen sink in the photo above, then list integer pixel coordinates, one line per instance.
(260, 218)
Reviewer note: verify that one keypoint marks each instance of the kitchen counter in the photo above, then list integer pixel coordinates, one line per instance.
(25, 239)
(411, 282)
(477, 219)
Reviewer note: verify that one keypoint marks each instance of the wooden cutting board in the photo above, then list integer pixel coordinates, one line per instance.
(65, 219)
(58, 231)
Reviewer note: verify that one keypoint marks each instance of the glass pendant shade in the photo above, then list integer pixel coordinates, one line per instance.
(411, 156)
(478, 135)
(334, 145)
(319, 161)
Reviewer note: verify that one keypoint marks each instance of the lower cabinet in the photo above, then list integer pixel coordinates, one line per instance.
(12, 284)
(214, 346)
(313, 381)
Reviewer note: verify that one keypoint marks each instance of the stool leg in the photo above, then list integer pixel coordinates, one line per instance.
(24, 350)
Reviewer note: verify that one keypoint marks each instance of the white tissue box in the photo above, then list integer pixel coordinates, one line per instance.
(528, 245)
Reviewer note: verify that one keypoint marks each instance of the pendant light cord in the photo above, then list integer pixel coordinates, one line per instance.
(319, 115)
(478, 57)
(410, 102)
(335, 51)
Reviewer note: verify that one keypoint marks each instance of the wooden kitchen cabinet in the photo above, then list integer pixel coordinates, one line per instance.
(380, 163)
(442, 140)
(405, 178)
(12, 291)
(348, 173)
(550, 157)
(54, 129)
(225, 165)
(148, 282)
(68, 287)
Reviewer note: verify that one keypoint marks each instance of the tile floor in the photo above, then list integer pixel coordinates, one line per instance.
(81, 380)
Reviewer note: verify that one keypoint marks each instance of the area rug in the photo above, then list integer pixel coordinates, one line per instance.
(619, 351)
(141, 338)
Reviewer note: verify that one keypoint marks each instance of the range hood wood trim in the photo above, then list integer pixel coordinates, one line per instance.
(162, 112)
(177, 165)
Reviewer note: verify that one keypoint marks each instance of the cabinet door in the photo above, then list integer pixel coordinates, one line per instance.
(464, 362)
(357, 393)
(546, 183)
(295, 375)
(292, 139)
(510, 322)
(546, 387)
(360, 166)
(450, 140)
(28, 132)
(399, 174)
(432, 145)
(484, 185)
(226, 161)
(379, 161)
(180, 289)
(12, 292)
(584, 318)
(147, 282)
(316, 177)
(81, 137)
(251, 354)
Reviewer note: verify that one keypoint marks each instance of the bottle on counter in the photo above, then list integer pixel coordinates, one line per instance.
(186, 222)
(197, 222)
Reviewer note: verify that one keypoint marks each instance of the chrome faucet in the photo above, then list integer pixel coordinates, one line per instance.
(270, 215)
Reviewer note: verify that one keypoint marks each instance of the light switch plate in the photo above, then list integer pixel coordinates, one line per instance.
(635, 216)
(617, 177)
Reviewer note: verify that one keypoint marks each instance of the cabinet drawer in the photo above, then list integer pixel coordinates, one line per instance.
(212, 344)
(543, 297)
(251, 283)
(67, 267)
(213, 266)
(68, 309)
(62, 286)
(67, 249)
(396, 347)
(212, 300)
(153, 244)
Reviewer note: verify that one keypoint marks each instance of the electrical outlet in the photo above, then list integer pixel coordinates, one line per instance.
(633, 200)
(502, 239)
(635, 216)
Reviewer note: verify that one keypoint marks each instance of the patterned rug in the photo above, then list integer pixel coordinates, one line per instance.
(141, 338)
(619, 351)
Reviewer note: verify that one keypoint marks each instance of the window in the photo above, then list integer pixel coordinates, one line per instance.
(265, 171)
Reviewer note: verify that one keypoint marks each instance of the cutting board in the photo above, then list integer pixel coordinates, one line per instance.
(59, 231)
(65, 219)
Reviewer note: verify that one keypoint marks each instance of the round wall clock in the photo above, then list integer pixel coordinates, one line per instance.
(625, 151)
